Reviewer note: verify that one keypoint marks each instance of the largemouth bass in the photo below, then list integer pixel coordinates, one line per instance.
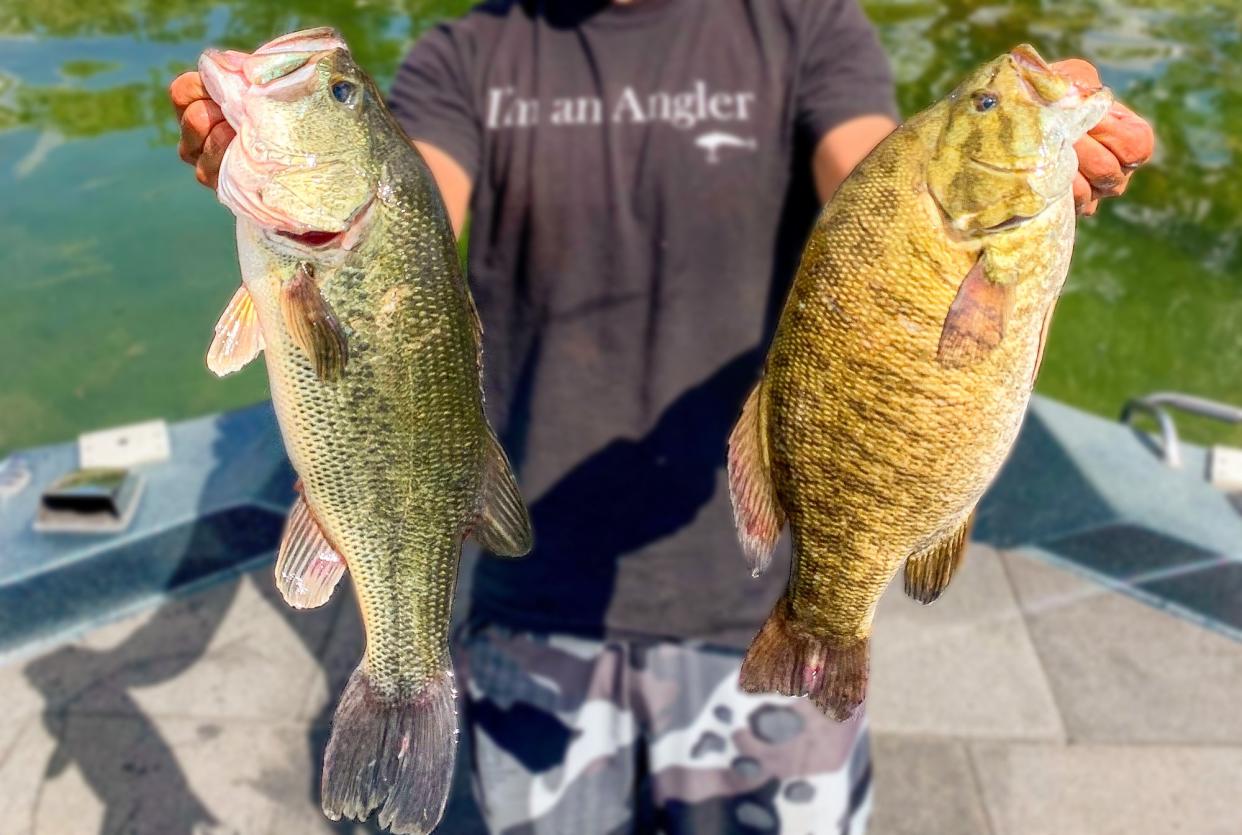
(903, 363)
(353, 292)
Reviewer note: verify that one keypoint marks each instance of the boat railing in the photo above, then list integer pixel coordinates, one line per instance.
(1158, 405)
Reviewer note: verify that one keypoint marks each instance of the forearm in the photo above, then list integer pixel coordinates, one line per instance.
(843, 147)
(452, 180)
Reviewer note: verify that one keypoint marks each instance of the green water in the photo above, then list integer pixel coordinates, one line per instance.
(114, 264)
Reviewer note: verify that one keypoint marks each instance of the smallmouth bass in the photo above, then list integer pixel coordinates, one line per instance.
(902, 365)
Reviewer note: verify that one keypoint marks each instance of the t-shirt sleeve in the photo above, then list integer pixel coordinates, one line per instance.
(843, 72)
(431, 96)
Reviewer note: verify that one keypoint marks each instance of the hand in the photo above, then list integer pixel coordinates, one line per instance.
(204, 133)
(1112, 151)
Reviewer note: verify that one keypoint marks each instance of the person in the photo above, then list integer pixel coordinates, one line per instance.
(639, 178)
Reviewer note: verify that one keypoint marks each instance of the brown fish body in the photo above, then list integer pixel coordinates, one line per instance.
(899, 374)
(879, 450)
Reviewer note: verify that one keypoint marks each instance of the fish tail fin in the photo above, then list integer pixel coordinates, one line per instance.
(785, 659)
(756, 510)
(929, 573)
(503, 526)
(393, 755)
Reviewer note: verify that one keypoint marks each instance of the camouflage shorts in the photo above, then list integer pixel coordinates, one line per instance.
(579, 737)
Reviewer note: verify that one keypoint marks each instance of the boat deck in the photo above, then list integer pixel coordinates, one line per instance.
(1080, 676)
(1027, 701)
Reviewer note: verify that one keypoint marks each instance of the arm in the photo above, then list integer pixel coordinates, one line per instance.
(453, 181)
(433, 100)
(844, 93)
(843, 147)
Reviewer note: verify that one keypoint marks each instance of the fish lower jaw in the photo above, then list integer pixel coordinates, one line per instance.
(311, 239)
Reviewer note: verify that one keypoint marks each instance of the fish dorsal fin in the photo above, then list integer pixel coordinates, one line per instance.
(503, 526)
(756, 510)
(975, 323)
(307, 566)
(238, 338)
(928, 573)
(312, 325)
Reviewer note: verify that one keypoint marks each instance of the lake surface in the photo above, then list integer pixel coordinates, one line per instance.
(114, 264)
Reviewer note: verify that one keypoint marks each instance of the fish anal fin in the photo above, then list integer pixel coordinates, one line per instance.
(503, 525)
(975, 323)
(313, 326)
(756, 510)
(308, 568)
(783, 658)
(929, 573)
(238, 338)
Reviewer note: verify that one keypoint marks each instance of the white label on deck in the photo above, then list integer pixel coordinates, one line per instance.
(124, 446)
(1225, 469)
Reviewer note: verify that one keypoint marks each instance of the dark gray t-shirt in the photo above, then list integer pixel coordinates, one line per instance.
(642, 190)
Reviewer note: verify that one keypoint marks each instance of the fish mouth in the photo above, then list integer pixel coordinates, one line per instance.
(346, 238)
(1043, 83)
(1082, 104)
(312, 239)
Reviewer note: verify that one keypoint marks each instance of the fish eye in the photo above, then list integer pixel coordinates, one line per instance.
(986, 101)
(343, 91)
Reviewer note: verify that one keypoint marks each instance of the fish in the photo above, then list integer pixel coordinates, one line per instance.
(714, 141)
(902, 364)
(353, 292)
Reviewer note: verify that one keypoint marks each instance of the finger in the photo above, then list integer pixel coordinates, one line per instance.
(1089, 209)
(213, 149)
(186, 89)
(1100, 167)
(1127, 135)
(1079, 70)
(1082, 193)
(1115, 190)
(211, 180)
(198, 121)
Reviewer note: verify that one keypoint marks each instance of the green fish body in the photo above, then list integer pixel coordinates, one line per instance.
(353, 291)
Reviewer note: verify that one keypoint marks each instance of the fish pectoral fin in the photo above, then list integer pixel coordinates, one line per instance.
(238, 338)
(307, 566)
(313, 326)
(756, 510)
(1043, 342)
(503, 526)
(929, 573)
(975, 324)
